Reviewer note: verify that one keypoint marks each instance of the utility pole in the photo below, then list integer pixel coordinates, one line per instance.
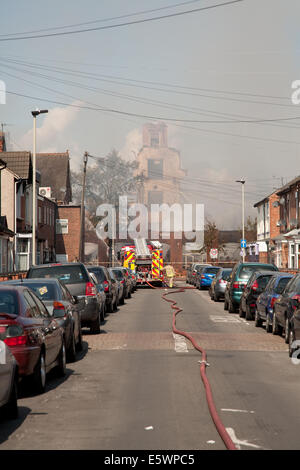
(34, 114)
(242, 181)
(82, 211)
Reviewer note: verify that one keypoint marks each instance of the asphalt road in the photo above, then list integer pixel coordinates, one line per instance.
(135, 386)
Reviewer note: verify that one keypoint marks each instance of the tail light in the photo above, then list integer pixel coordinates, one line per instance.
(90, 289)
(236, 285)
(132, 276)
(273, 302)
(106, 286)
(122, 282)
(202, 276)
(16, 340)
(254, 286)
(58, 306)
(194, 274)
(296, 299)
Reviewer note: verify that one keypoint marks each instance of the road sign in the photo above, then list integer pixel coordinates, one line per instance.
(213, 253)
(243, 243)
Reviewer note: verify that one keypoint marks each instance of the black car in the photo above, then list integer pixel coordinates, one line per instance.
(286, 311)
(254, 287)
(120, 276)
(109, 284)
(61, 305)
(78, 281)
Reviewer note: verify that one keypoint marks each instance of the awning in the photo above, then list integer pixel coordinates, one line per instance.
(293, 233)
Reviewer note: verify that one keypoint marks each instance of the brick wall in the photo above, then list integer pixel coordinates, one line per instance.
(274, 216)
(68, 243)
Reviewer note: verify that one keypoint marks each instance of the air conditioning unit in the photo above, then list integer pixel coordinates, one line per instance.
(281, 222)
(278, 223)
(45, 191)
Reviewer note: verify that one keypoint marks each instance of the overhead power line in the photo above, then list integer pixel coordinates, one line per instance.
(118, 25)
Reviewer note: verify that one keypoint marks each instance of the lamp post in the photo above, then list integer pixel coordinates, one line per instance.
(34, 114)
(242, 181)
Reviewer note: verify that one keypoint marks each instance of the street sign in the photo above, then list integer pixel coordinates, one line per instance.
(213, 253)
(243, 243)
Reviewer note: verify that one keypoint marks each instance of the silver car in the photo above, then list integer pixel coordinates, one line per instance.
(8, 382)
(218, 285)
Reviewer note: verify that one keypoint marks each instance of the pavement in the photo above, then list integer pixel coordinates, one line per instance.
(137, 386)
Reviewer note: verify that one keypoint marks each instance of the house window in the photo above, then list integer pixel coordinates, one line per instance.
(155, 169)
(294, 251)
(62, 226)
(23, 253)
(154, 141)
(155, 197)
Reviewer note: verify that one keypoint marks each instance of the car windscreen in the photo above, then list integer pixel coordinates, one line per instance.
(118, 274)
(246, 271)
(8, 302)
(210, 270)
(99, 273)
(66, 274)
(281, 285)
(44, 290)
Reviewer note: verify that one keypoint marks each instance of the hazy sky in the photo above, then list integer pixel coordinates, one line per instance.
(238, 60)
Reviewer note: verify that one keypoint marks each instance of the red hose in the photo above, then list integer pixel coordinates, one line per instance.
(208, 391)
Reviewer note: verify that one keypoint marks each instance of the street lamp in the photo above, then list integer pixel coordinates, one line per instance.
(34, 114)
(242, 181)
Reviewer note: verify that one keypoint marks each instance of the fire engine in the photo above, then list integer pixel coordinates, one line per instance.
(145, 259)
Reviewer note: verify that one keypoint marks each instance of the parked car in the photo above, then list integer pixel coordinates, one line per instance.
(8, 378)
(32, 334)
(129, 283)
(79, 283)
(195, 270)
(134, 279)
(254, 287)
(61, 305)
(119, 285)
(109, 285)
(120, 275)
(266, 300)
(286, 310)
(205, 276)
(237, 281)
(218, 285)
(100, 296)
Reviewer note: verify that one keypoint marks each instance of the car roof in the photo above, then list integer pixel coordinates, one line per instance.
(263, 273)
(32, 280)
(53, 265)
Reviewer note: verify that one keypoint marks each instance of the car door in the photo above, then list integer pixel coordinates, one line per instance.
(72, 312)
(51, 331)
(282, 304)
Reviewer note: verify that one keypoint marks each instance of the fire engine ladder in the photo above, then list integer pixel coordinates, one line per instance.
(141, 248)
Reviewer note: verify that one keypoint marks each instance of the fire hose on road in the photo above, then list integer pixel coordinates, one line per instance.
(203, 364)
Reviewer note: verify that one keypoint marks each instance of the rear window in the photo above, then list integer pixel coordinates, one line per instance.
(8, 302)
(43, 290)
(66, 274)
(99, 273)
(263, 281)
(246, 271)
(225, 275)
(118, 274)
(211, 270)
(281, 285)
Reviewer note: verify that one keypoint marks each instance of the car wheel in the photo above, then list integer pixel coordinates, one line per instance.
(95, 326)
(241, 312)
(248, 315)
(79, 342)
(62, 361)
(102, 313)
(268, 324)
(276, 330)
(39, 375)
(115, 307)
(231, 307)
(129, 295)
(122, 301)
(216, 297)
(292, 349)
(72, 349)
(287, 331)
(257, 319)
(11, 408)
(225, 304)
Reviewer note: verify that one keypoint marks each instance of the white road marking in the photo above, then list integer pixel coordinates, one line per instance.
(224, 319)
(149, 428)
(236, 411)
(210, 442)
(238, 442)
(180, 343)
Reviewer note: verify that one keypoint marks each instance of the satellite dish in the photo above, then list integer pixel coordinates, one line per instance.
(282, 200)
(275, 204)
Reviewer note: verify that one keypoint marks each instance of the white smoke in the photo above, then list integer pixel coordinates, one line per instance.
(133, 144)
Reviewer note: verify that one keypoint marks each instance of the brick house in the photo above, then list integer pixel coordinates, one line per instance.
(68, 233)
(278, 233)
(54, 169)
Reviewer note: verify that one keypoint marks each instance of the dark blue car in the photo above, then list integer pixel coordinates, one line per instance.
(266, 300)
(205, 276)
